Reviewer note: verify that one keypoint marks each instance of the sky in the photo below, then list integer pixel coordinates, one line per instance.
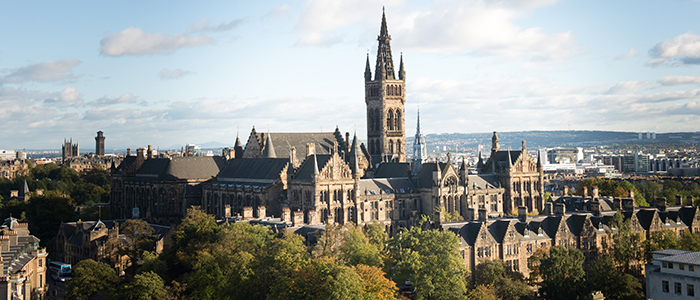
(169, 73)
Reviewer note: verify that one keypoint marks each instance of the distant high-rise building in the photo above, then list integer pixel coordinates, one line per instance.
(100, 144)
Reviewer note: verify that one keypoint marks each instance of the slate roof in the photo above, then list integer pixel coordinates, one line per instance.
(389, 170)
(193, 167)
(425, 175)
(284, 140)
(126, 162)
(306, 170)
(690, 258)
(253, 168)
(488, 181)
(386, 185)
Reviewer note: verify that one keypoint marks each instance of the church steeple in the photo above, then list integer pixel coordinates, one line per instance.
(368, 70)
(385, 64)
(419, 149)
(402, 72)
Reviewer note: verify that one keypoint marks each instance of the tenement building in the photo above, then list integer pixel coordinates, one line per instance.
(23, 262)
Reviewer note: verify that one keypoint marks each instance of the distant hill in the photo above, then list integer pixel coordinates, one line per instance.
(543, 139)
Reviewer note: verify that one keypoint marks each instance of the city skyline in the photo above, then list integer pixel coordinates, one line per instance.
(164, 74)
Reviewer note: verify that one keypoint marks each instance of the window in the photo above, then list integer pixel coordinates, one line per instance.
(41, 282)
(691, 290)
(670, 265)
(681, 267)
(691, 268)
(664, 264)
(677, 288)
(529, 248)
(40, 262)
(664, 286)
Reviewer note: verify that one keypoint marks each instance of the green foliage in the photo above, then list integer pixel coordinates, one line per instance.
(507, 283)
(482, 292)
(615, 285)
(431, 260)
(144, 286)
(356, 249)
(618, 189)
(690, 242)
(562, 274)
(377, 236)
(626, 247)
(45, 214)
(91, 278)
(141, 236)
(659, 240)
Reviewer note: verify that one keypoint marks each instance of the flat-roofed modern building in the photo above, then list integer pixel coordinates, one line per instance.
(673, 274)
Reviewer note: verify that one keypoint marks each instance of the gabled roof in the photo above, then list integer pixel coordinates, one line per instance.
(193, 167)
(425, 175)
(483, 181)
(386, 185)
(323, 141)
(253, 168)
(306, 170)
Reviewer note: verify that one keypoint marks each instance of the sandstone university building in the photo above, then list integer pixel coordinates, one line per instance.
(309, 179)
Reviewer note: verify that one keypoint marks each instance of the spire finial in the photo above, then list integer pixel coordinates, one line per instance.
(315, 165)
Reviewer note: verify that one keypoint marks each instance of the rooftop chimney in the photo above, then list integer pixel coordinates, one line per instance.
(522, 213)
(595, 192)
(661, 203)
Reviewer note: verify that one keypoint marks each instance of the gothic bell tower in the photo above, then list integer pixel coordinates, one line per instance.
(385, 97)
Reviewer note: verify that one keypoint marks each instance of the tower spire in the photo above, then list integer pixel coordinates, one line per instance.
(402, 72)
(368, 70)
(269, 151)
(385, 64)
(419, 148)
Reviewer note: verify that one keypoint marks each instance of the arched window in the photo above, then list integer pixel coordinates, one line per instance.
(398, 146)
(400, 90)
(397, 120)
(391, 147)
(390, 120)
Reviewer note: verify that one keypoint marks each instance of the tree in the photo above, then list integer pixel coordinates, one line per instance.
(140, 235)
(482, 292)
(46, 213)
(431, 260)
(562, 274)
(145, 286)
(323, 278)
(615, 285)
(690, 242)
(376, 235)
(356, 249)
(376, 285)
(91, 278)
(507, 283)
(659, 240)
(626, 247)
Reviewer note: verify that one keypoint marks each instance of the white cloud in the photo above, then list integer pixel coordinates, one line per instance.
(69, 94)
(203, 25)
(166, 74)
(683, 49)
(446, 27)
(111, 113)
(125, 98)
(632, 53)
(627, 87)
(672, 80)
(57, 70)
(134, 41)
(279, 12)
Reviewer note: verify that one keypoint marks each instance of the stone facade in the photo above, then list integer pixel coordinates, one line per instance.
(385, 97)
(520, 175)
(99, 241)
(24, 263)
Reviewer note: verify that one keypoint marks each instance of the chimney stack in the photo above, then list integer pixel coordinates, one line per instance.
(595, 208)
(482, 214)
(661, 203)
(559, 209)
(522, 213)
(595, 192)
(690, 200)
(585, 192)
